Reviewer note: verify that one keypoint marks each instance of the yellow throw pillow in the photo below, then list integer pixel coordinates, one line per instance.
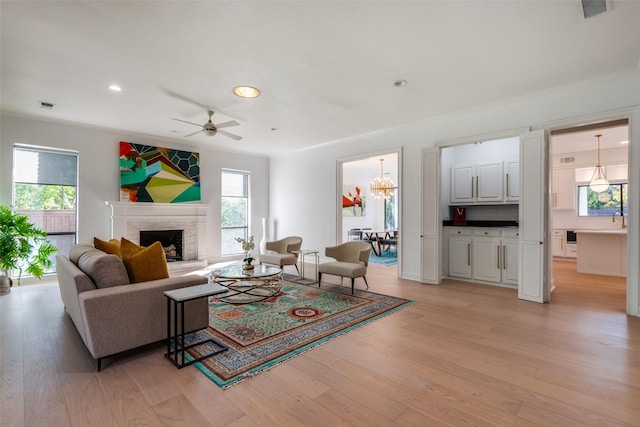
(144, 264)
(110, 247)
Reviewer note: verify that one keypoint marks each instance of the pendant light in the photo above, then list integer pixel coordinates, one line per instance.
(599, 181)
(381, 186)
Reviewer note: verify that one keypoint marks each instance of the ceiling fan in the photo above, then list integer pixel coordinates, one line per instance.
(210, 129)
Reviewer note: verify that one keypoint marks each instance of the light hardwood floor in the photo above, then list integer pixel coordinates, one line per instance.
(462, 355)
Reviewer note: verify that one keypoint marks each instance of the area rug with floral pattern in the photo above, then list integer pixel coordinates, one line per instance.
(263, 334)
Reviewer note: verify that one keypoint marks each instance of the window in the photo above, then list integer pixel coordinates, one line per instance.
(612, 201)
(391, 211)
(45, 183)
(234, 211)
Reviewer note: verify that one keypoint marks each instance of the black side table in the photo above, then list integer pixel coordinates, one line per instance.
(179, 297)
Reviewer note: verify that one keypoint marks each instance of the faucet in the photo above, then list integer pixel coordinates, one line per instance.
(613, 219)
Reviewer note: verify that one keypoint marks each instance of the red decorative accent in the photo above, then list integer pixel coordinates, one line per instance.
(459, 216)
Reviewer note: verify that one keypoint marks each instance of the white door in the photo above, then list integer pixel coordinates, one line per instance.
(486, 259)
(489, 178)
(431, 222)
(535, 269)
(460, 256)
(462, 183)
(512, 181)
(510, 261)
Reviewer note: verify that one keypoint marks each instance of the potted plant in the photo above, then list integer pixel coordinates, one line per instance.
(23, 248)
(247, 246)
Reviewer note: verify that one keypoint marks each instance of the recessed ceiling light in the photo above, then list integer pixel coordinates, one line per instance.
(400, 83)
(624, 142)
(246, 91)
(115, 88)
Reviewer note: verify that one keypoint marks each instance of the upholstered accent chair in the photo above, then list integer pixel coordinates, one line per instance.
(351, 260)
(281, 252)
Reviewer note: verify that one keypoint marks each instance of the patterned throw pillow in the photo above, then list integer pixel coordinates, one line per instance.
(144, 264)
(110, 247)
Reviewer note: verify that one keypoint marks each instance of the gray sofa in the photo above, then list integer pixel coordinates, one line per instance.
(113, 315)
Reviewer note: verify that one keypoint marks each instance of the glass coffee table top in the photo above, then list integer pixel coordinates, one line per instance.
(247, 286)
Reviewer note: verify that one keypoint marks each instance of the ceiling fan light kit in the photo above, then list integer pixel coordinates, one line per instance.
(210, 129)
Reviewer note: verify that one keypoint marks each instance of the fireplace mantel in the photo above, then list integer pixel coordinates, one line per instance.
(128, 219)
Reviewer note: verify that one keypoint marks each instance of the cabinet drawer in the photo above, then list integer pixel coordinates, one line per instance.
(486, 232)
(512, 234)
(459, 231)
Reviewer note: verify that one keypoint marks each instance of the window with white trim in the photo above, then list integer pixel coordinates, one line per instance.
(234, 211)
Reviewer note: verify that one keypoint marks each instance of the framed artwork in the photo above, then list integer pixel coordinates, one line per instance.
(353, 201)
(158, 174)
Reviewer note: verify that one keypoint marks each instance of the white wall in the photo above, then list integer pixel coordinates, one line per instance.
(100, 178)
(310, 174)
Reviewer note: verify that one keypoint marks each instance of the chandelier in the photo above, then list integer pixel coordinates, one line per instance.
(381, 186)
(599, 181)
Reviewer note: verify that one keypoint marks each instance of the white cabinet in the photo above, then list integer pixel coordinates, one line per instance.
(512, 181)
(557, 243)
(484, 254)
(510, 257)
(560, 247)
(479, 183)
(486, 259)
(462, 184)
(563, 189)
(460, 253)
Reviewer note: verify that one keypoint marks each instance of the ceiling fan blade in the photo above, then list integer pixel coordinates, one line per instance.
(230, 135)
(194, 133)
(191, 123)
(227, 124)
(185, 99)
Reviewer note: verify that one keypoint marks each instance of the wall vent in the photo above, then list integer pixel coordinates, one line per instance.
(47, 105)
(567, 159)
(593, 7)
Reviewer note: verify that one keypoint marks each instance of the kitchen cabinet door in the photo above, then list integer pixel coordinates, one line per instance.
(486, 259)
(509, 262)
(563, 189)
(462, 180)
(557, 243)
(512, 181)
(460, 256)
(489, 181)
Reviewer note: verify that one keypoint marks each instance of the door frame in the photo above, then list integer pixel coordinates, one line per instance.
(632, 114)
(339, 184)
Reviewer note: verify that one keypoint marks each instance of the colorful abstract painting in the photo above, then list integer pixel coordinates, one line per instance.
(158, 175)
(353, 201)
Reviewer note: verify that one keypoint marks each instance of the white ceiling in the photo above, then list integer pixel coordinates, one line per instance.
(326, 69)
(568, 143)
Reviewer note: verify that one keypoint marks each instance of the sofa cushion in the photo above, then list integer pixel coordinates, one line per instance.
(78, 250)
(144, 264)
(110, 247)
(105, 270)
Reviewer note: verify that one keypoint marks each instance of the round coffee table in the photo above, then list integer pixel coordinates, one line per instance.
(246, 286)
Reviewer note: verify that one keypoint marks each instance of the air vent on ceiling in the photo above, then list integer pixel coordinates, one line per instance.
(567, 159)
(47, 105)
(593, 7)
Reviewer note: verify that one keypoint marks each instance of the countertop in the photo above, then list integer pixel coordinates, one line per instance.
(619, 231)
(472, 223)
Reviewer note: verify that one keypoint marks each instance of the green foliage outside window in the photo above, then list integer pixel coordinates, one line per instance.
(44, 197)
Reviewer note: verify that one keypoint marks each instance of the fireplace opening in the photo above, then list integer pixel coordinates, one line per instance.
(171, 241)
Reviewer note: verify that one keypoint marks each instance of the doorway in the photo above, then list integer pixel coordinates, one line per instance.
(597, 214)
(365, 215)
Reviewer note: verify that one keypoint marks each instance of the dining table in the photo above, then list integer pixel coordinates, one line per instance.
(375, 237)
